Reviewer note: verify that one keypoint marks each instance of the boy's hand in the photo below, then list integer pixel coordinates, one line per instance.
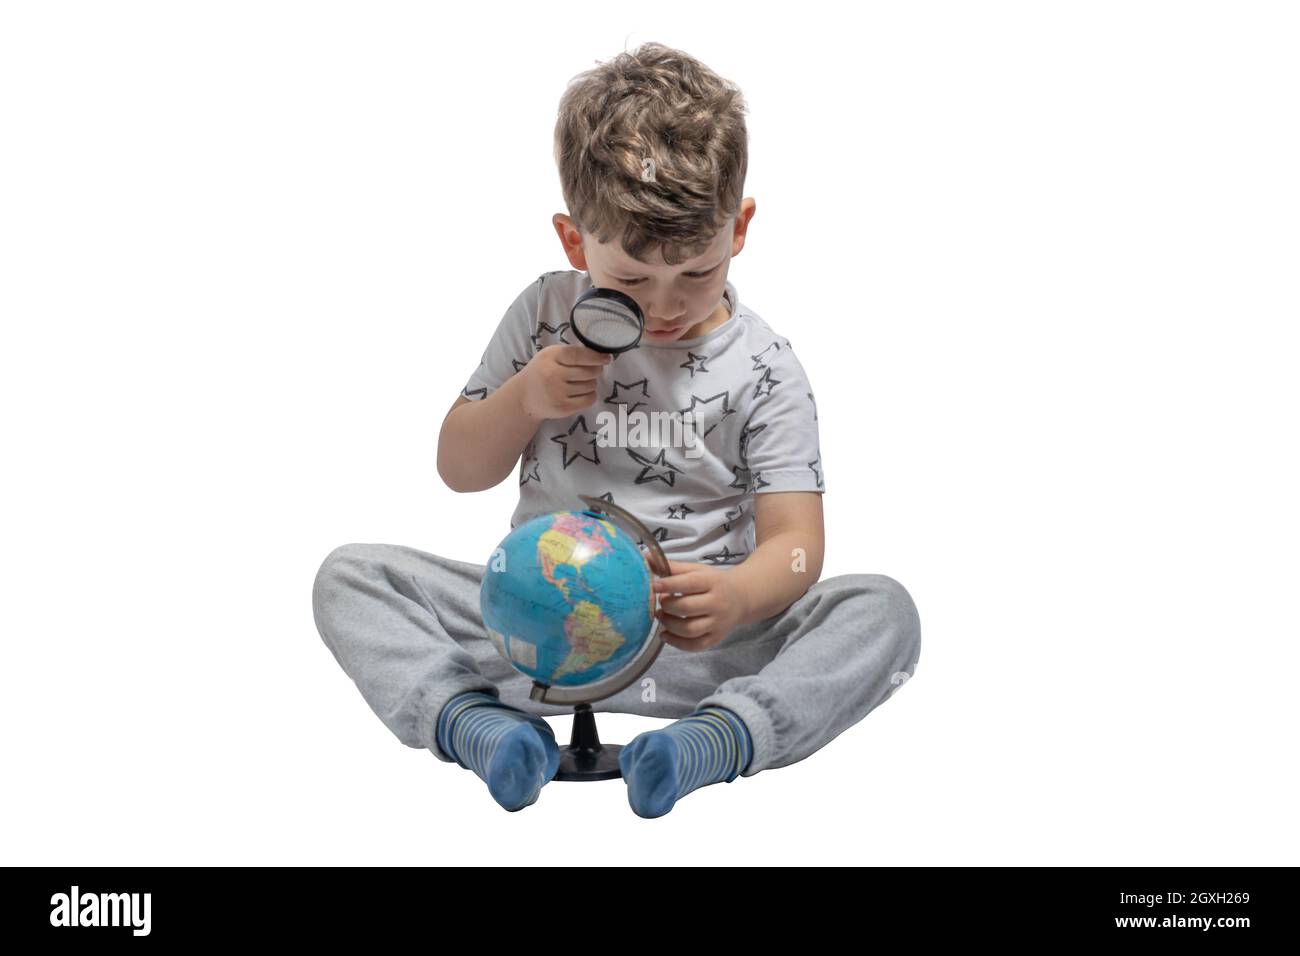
(713, 604)
(560, 380)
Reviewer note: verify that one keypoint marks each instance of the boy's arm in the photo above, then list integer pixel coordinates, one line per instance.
(478, 446)
(700, 604)
(790, 538)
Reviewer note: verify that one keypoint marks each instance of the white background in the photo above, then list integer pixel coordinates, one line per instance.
(1039, 262)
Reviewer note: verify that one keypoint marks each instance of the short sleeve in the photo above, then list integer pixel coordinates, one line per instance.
(780, 445)
(511, 346)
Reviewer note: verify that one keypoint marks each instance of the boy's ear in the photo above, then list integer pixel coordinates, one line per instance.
(571, 239)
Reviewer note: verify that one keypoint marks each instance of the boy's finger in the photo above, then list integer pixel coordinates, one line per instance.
(676, 569)
(580, 355)
(686, 583)
(691, 606)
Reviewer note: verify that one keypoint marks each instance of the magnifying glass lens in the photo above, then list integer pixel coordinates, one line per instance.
(607, 320)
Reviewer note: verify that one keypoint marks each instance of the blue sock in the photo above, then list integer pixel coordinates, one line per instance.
(662, 766)
(514, 753)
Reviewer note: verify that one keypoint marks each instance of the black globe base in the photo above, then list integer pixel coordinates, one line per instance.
(586, 758)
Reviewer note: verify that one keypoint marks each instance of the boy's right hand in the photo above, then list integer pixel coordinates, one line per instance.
(560, 380)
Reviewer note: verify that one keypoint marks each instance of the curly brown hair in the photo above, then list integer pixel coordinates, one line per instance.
(659, 105)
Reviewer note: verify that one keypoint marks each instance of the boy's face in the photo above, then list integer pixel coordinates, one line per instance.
(679, 302)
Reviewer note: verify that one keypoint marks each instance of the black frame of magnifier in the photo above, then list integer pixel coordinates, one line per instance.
(601, 292)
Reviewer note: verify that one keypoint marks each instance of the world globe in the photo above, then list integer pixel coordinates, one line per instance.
(567, 600)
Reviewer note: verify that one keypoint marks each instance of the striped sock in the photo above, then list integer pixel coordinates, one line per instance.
(513, 752)
(662, 766)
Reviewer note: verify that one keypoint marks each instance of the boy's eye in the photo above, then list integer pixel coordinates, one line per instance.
(689, 275)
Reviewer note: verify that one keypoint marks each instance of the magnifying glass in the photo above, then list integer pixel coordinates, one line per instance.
(607, 320)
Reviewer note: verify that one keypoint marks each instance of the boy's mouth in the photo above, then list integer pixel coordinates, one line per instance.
(665, 333)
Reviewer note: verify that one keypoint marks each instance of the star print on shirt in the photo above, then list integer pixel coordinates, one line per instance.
(725, 556)
(614, 398)
(517, 364)
(680, 511)
(565, 438)
(659, 534)
(547, 327)
(700, 417)
(690, 363)
(732, 515)
(530, 455)
(816, 473)
(814, 404)
(667, 477)
(747, 480)
(766, 383)
(746, 434)
(470, 393)
(758, 359)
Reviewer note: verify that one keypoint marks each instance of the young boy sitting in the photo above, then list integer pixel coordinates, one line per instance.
(764, 663)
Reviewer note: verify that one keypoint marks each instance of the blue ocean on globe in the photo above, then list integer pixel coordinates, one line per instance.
(566, 598)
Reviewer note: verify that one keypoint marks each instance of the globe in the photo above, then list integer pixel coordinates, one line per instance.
(566, 598)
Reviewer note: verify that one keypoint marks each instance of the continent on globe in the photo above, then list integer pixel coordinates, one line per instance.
(570, 542)
(592, 639)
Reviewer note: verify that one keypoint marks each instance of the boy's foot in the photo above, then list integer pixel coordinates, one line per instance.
(662, 766)
(513, 752)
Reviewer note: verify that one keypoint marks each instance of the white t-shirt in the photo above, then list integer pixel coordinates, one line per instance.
(690, 479)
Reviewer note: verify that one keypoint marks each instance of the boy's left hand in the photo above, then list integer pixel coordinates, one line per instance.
(712, 605)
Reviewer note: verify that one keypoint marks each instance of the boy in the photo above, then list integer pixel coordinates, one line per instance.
(763, 662)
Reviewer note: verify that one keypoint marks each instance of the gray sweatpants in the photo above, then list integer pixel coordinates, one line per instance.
(405, 626)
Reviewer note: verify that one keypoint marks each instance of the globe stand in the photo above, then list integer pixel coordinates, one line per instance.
(586, 758)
